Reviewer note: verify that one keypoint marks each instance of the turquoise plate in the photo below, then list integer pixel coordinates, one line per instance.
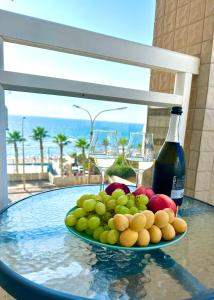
(89, 239)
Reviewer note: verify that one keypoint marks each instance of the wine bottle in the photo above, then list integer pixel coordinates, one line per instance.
(169, 168)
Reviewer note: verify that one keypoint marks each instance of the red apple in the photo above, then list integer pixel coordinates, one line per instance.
(161, 201)
(143, 191)
(116, 185)
(149, 193)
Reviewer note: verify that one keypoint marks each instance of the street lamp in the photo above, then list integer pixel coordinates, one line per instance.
(95, 117)
(92, 120)
(23, 154)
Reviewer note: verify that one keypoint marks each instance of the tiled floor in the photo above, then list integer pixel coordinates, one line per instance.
(16, 191)
(4, 295)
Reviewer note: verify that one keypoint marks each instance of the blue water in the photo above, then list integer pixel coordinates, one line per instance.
(72, 128)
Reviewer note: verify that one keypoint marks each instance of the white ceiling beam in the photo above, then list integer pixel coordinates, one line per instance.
(35, 32)
(63, 87)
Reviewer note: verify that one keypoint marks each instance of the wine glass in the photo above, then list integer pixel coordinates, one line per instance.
(104, 150)
(140, 153)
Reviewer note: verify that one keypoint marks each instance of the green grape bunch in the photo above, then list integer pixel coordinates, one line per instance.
(94, 214)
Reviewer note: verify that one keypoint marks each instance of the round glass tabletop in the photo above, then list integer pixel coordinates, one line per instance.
(35, 244)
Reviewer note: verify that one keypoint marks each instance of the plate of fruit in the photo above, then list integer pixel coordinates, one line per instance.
(119, 219)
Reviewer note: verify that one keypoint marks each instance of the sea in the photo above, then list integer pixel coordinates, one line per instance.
(73, 128)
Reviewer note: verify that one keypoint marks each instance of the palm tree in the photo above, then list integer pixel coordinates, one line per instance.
(15, 137)
(39, 134)
(61, 140)
(123, 142)
(105, 143)
(82, 144)
(75, 156)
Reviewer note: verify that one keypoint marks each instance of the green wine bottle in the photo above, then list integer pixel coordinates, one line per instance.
(169, 168)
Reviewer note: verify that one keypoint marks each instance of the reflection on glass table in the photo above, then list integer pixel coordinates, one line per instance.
(40, 259)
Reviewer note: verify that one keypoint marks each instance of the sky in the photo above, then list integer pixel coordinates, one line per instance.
(128, 19)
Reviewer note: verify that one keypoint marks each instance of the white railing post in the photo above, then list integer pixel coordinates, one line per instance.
(3, 156)
(183, 87)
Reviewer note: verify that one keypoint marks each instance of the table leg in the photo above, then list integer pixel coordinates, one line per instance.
(184, 277)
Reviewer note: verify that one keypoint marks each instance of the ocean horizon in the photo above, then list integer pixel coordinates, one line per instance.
(73, 128)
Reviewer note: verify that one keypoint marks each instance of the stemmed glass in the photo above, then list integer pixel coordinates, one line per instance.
(104, 150)
(140, 153)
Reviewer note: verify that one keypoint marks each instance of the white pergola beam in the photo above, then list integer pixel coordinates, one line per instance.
(28, 31)
(35, 32)
(64, 87)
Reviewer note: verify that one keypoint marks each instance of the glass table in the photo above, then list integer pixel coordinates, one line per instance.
(40, 259)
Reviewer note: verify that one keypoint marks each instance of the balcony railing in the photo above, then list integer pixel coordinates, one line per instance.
(19, 29)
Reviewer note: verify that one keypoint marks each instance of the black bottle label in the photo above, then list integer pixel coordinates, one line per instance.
(177, 191)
